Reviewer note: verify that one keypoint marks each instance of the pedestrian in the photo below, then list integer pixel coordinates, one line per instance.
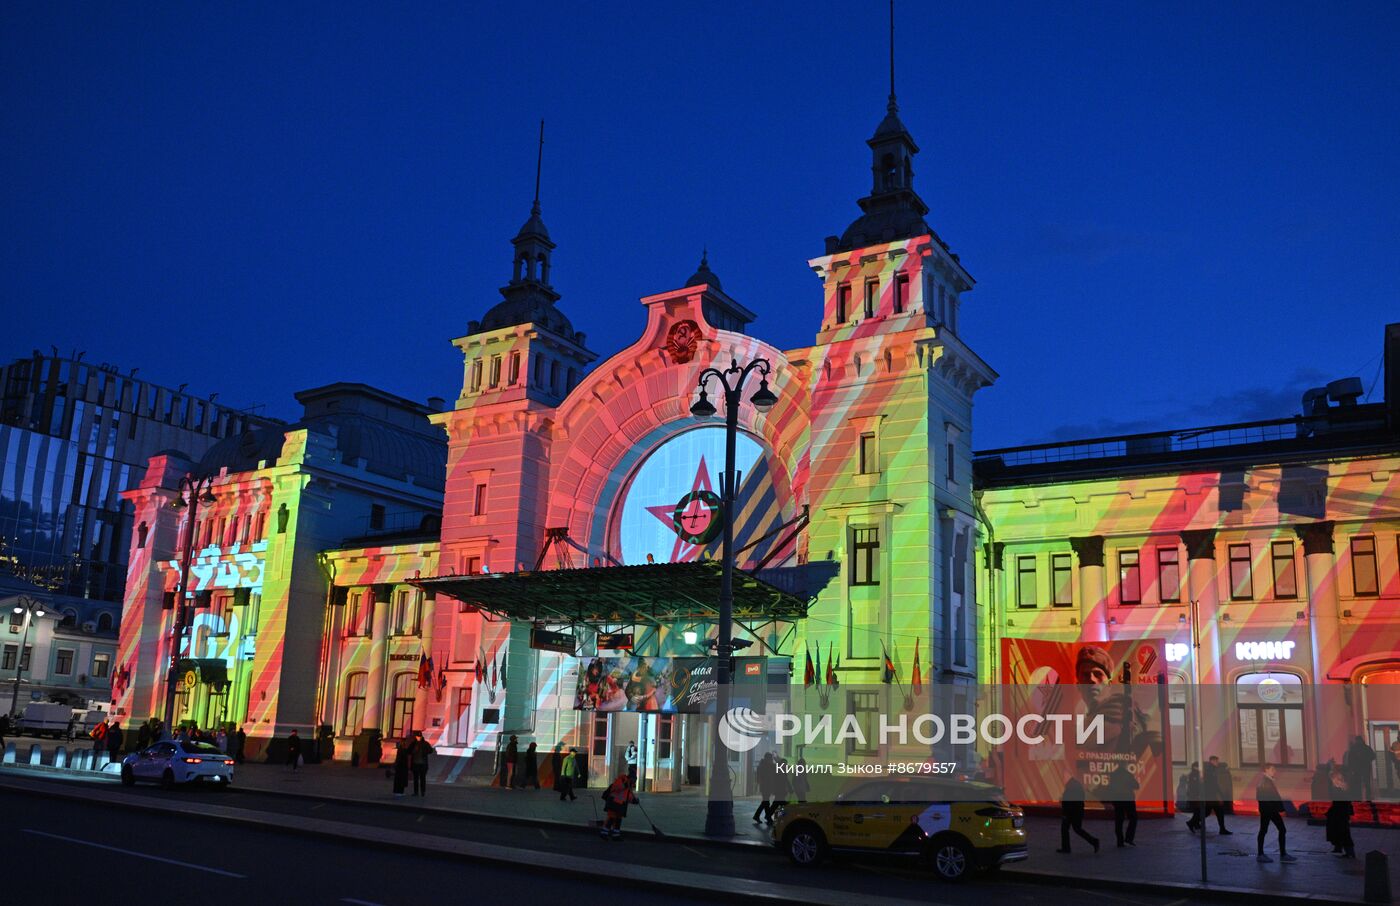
(1359, 761)
(1214, 778)
(762, 780)
(400, 771)
(615, 800)
(143, 737)
(1072, 815)
(113, 738)
(782, 785)
(97, 734)
(221, 740)
(1339, 817)
(568, 769)
(1192, 780)
(419, 750)
(508, 757)
(630, 756)
(556, 765)
(532, 767)
(240, 743)
(1271, 812)
(1122, 786)
(294, 750)
(799, 780)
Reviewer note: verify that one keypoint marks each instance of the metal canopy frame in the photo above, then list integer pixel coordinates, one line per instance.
(651, 594)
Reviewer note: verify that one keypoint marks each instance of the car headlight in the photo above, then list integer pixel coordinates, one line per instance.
(779, 812)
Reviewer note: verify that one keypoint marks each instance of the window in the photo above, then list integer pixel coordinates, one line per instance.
(843, 302)
(1241, 584)
(70, 619)
(1025, 581)
(865, 556)
(1129, 578)
(901, 292)
(24, 658)
(1062, 579)
(101, 665)
(104, 623)
(1176, 718)
(1363, 566)
(952, 462)
(872, 296)
(599, 748)
(865, 708)
(476, 375)
(401, 715)
(7, 662)
(514, 373)
(405, 615)
(1169, 574)
(356, 622)
(16, 621)
(376, 516)
(479, 501)
(260, 527)
(354, 712)
(1285, 571)
(495, 380)
(63, 662)
(554, 377)
(462, 719)
(868, 465)
(1271, 719)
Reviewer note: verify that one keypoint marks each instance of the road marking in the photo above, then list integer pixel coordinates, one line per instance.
(318, 805)
(360, 902)
(129, 852)
(420, 818)
(542, 833)
(691, 849)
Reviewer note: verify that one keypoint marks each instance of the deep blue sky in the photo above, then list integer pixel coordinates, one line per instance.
(1176, 214)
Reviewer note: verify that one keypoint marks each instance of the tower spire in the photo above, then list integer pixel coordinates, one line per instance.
(539, 157)
(892, 107)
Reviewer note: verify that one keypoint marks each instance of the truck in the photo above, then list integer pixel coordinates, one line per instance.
(45, 719)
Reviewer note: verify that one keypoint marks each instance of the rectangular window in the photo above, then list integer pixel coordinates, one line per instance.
(1129, 578)
(476, 375)
(405, 615)
(354, 720)
(901, 292)
(514, 373)
(843, 302)
(865, 708)
(600, 736)
(376, 516)
(1241, 582)
(101, 665)
(1271, 734)
(495, 380)
(952, 462)
(1285, 571)
(63, 662)
(872, 297)
(1062, 579)
(1169, 574)
(867, 454)
(865, 556)
(462, 720)
(479, 501)
(1025, 581)
(8, 661)
(355, 622)
(24, 658)
(1363, 566)
(665, 734)
(260, 527)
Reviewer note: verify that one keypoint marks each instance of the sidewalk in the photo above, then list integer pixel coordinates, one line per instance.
(1167, 855)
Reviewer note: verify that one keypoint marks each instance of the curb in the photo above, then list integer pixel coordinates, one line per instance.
(717, 887)
(1194, 889)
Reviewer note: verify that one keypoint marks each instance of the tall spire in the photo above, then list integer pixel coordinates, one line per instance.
(892, 106)
(539, 158)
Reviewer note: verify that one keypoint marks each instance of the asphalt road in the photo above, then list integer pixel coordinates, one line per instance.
(296, 868)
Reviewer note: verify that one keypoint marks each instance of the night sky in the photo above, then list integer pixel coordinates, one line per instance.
(1177, 214)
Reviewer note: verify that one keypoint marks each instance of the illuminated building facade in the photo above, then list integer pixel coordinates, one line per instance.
(1285, 534)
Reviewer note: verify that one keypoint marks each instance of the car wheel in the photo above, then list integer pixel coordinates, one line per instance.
(805, 844)
(167, 779)
(128, 778)
(951, 858)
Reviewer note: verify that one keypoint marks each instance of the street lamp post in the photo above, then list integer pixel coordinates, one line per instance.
(197, 491)
(719, 817)
(32, 610)
(1200, 723)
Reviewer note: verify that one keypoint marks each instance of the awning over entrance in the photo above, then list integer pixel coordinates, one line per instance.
(654, 593)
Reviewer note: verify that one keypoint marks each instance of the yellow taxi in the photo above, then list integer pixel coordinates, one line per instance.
(956, 826)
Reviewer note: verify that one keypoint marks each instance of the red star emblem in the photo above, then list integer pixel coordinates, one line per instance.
(682, 551)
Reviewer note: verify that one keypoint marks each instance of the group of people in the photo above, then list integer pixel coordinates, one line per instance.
(412, 759)
(518, 770)
(777, 784)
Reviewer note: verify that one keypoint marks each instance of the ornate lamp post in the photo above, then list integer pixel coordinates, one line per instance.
(193, 493)
(719, 818)
(32, 610)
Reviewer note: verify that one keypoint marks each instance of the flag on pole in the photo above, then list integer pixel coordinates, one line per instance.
(809, 675)
(831, 679)
(441, 682)
(425, 671)
(917, 682)
(888, 676)
(503, 670)
(817, 674)
(493, 674)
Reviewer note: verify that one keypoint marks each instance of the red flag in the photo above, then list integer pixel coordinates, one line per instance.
(425, 672)
(493, 674)
(441, 682)
(480, 665)
(831, 679)
(917, 682)
(809, 675)
(889, 666)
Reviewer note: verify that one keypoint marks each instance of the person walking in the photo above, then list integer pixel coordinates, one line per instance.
(240, 743)
(616, 798)
(400, 772)
(568, 770)
(556, 764)
(419, 750)
(113, 739)
(294, 750)
(1360, 762)
(1339, 815)
(1271, 812)
(221, 740)
(782, 785)
(1193, 798)
(1072, 815)
(98, 733)
(763, 780)
(630, 756)
(508, 763)
(532, 767)
(1123, 786)
(1212, 794)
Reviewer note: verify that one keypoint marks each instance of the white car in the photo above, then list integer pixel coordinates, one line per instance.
(173, 761)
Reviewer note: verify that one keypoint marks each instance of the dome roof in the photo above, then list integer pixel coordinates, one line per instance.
(703, 275)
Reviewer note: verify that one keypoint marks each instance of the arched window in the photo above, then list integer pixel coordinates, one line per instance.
(401, 715)
(1270, 707)
(141, 535)
(354, 710)
(889, 172)
(104, 622)
(70, 618)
